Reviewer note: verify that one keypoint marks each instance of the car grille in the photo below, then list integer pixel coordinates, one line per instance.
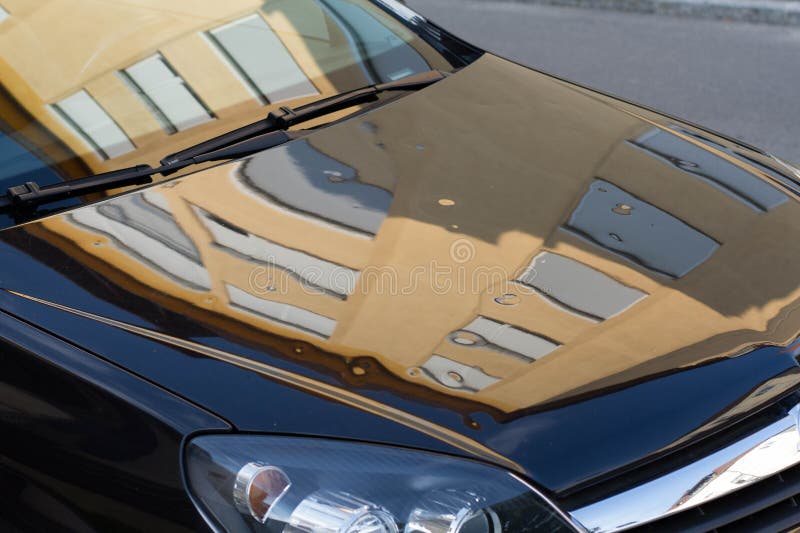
(744, 478)
(770, 505)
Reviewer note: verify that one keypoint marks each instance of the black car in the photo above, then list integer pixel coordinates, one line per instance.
(319, 266)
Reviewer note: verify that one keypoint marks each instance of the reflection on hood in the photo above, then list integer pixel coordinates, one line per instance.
(509, 266)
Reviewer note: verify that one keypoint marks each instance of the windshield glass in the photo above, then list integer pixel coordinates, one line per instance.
(91, 86)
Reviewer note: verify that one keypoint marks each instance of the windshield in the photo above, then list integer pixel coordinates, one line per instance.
(92, 86)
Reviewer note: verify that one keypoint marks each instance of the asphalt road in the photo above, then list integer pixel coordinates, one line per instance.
(740, 79)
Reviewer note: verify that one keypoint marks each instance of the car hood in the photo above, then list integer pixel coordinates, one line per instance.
(524, 270)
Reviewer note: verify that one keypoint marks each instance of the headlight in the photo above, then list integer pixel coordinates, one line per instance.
(295, 485)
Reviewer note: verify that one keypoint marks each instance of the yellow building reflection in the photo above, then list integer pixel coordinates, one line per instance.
(600, 245)
(124, 83)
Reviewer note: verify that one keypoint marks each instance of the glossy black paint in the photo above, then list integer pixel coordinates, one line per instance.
(107, 377)
(87, 446)
(249, 402)
(624, 426)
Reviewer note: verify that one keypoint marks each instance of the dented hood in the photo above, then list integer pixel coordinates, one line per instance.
(519, 268)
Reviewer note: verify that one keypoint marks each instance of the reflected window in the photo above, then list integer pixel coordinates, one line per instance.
(711, 168)
(346, 37)
(789, 181)
(304, 181)
(314, 273)
(261, 59)
(578, 287)
(142, 227)
(18, 164)
(383, 55)
(90, 122)
(487, 333)
(169, 98)
(455, 375)
(282, 313)
(638, 231)
(3, 14)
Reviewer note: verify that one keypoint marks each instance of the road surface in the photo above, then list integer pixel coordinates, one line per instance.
(740, 79)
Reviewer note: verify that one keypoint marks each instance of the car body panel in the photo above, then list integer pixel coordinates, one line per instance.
(393, 265)
(88, 446)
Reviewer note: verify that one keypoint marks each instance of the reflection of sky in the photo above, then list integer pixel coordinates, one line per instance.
(18, 165)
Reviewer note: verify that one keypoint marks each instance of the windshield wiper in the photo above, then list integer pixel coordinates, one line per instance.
(287, 117)
(27, 197)
(255, 137)
(30, 194)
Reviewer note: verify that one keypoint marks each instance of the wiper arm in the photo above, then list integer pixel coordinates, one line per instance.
(27, 197)
(287, 117)
(255, 137)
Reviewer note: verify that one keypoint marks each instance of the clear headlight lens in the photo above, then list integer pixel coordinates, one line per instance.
(295, 485)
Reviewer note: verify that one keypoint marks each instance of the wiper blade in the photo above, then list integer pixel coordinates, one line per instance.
(27, 197)
(287, 117)
(255, 137)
